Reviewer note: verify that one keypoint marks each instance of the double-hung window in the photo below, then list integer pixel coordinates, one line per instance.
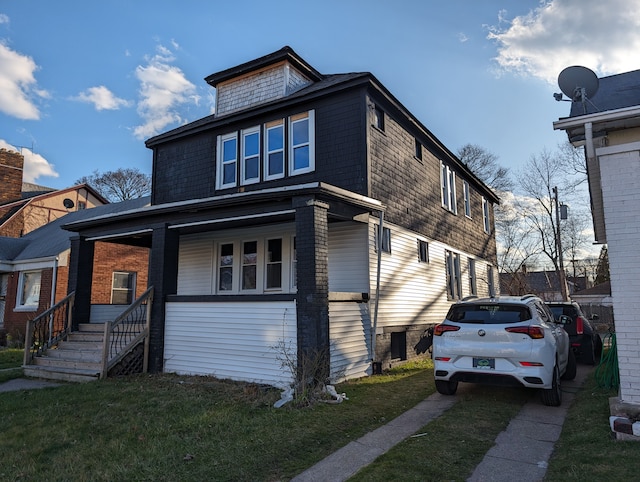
(29, 290)
(225, 267)
(249, 265)
(454, 284)
(123, 287)
(228, 160)
(467, 198)
(273, 279)
(448, 182)
(274, 150)
(250, 155)
(473, 284)
(383, 241)
(423, 251)
(485, 215)
(301, 143)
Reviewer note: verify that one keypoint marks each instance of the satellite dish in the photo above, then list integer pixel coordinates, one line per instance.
(578, 83)
(68, 203)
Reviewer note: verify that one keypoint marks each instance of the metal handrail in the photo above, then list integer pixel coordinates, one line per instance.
(126, 331)
(48, 328)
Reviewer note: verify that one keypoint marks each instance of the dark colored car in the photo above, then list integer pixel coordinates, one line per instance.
(585, 341)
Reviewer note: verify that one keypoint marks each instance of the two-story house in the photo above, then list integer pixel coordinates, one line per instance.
(311, 215)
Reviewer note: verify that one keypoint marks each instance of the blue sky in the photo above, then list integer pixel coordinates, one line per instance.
(84, 83)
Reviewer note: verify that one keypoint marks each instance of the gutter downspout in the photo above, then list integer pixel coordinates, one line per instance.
(374, 329)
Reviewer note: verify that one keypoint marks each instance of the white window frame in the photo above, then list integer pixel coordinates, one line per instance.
(21, 303)
(244, 157)
(473, 281)
(221, 162)
(490, 281)
(423, 254)
(448, 188)
(268, 262)
(304, 116)
(268, 150)
(385, 241)
(454, 282)
(467, 198)
(235, 268)
(485, 215)
(293, 272)
(131, 289)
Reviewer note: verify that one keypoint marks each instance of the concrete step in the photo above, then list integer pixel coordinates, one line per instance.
(85, 336)
(91, 327)
(75, 352)
(46, 361)
(65, 374)
(80, 345)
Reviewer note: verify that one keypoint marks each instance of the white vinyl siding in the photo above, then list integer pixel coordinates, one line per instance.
(241, 341)
(195, 267)
(348, 258)
(350, 338)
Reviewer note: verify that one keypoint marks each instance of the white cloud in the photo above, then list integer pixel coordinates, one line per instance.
(462, 37)
(35, 165)
(4, 18)
(164, 90)
(18, 87)
(603, 36)
(101, 98)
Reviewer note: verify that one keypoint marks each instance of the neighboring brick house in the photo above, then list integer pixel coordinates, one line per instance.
(312, 214)
(608, 126)
(25, 206)
(36, 270)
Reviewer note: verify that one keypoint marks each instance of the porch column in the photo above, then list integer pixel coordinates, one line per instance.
(80, 277)
(163, 276)
(312, 248)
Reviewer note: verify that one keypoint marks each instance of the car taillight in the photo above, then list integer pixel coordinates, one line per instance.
(443, 328)
(534, 332)
(579, 325)
(531, 364)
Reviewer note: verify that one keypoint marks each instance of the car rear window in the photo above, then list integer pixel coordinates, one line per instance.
(489, 314)
(559, 310)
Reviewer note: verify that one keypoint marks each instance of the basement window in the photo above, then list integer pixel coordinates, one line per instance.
(399, 345)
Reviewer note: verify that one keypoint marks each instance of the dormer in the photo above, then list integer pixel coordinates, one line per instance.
(261, 80)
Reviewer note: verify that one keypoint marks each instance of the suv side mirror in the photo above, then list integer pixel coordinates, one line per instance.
(564, 320)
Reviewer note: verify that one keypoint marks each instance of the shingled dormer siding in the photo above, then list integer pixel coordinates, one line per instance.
(258, 87)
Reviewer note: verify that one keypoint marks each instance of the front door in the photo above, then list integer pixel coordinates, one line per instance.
(4, 279)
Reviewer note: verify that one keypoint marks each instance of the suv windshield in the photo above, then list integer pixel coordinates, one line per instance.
(489, 314)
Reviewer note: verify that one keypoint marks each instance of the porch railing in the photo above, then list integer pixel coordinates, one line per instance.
(48, 328)
(126, 332)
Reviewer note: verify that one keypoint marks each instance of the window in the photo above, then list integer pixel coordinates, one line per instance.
(29, 290)
(385, 242)
(225, 267)
(448, 181)
(467, 199)
(123, 288)
(301, 152)
(251, 155)
(473, 285)
(249, 264)
(423, 251)
(274, 148)
(418, 149)
(485, 215)
(294, 264)
(399, 345)
(490, 284)
(378, 118)
(82, 205)
(454, 285)
(228, 149)
(274, 264)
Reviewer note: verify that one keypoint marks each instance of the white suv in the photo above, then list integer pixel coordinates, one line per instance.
(507, 340)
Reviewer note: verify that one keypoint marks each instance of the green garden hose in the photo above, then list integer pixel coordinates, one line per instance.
(607, 374)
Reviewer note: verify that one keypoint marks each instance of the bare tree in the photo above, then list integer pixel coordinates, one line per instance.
(119, 185)
(484, 165)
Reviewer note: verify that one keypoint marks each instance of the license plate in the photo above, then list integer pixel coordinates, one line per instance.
(484, 363)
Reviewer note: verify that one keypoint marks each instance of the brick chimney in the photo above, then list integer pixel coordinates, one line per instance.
(11, 167)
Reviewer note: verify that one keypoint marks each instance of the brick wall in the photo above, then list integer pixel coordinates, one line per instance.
(110, 257)
(11, 166)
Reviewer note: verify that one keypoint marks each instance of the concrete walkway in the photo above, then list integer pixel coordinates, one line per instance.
(521, 452)
(25, 384)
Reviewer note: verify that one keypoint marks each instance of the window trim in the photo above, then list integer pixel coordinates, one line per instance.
(421, 252)
(485, 215)
(385, 241)
(244, 133)
(311, 142)
(473, 279)
(132, 289)
(221, 162)
(20, 305)
(418, 149)
(467, 198)
(267, 152)
(453, 275)
(378, 118)
(448, 188)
